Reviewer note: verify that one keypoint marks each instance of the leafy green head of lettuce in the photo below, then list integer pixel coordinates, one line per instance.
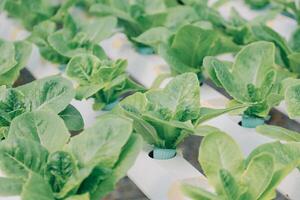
(104, 80)
(253, 79)
(53, 93)
(13, 58)
(191, 43)
(235, 178)
(41, 161)
(245, 32)
(60, 41)
(164, 117)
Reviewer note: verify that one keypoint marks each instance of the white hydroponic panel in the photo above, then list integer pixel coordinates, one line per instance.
(157, 178)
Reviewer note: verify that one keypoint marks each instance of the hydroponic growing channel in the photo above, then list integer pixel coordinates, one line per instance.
(188, 99)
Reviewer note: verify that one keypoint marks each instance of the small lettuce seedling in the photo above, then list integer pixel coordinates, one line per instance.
(165, 117)
(52, 93)
(41, 161)
(104, 80)
(253, 79)
(13, 58)
(235, 178)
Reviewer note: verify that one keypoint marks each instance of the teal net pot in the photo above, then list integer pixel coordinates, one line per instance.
(163, 154)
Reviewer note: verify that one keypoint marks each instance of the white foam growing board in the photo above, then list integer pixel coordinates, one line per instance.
(156, 178)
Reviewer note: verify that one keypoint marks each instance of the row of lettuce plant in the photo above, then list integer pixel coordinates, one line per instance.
(61, 35)
(160, 25)
(80, 167)
(88, 165)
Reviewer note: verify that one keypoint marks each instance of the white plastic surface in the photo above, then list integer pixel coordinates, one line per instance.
(156, 178)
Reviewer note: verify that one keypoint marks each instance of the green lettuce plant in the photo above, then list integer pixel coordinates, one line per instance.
(41, 161)
(253, 79)
(52, 93)
(13, 58)
(184, 54)
(234, 177)
(104, 80)
(165, 117)
(60, 41)
(245, 32)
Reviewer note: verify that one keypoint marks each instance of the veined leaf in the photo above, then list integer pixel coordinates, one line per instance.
(283, 154)
(21, 53)
(292, 98)
(100, 29)
(198, 193)
(126, 159)
(60, 167)
(7, 59)
(72, 118)
(278, 133)
(262, 164)
(36, 188)
(277, 178)
(19, 157)
(209, 113)
(154, 36)
(254, 61)
(180, 97)
(93, 146)
(219, 151)
(230, 186)
(54, 93)
(43, 127)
